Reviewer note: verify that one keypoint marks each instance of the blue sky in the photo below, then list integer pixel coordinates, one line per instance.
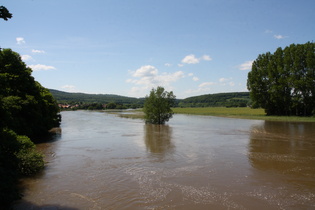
(126, 47)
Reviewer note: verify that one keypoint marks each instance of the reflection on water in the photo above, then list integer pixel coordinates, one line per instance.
(285, 148)
(158, 138)
(102, 161)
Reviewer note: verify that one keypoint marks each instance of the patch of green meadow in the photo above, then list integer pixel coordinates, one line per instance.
(240, 112)
(234, 112)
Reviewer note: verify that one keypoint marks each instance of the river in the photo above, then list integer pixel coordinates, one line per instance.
(103, 161)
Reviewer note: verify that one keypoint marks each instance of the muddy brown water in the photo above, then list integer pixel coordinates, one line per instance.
(102, 161)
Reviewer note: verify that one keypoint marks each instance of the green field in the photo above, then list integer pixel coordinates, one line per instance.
(244, 113)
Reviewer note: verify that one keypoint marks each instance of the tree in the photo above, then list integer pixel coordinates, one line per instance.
(26, 110)
(283, 83)
(4, 13)
(29, 108)
(157, 106)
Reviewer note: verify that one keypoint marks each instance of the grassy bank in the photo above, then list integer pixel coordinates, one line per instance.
(244, 113)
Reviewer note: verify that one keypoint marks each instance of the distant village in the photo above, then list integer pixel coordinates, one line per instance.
(97, 106)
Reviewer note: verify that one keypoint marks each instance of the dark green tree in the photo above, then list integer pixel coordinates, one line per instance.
(283, 83)
(26, 110)
(157, 106)
(4, 13)
(29, 108)
(111, 105)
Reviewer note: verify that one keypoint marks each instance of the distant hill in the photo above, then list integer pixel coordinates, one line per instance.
(210, 100)
(66, 97)
(235, 99)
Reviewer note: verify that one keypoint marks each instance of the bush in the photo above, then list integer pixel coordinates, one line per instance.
(30, 161)
(18, 157)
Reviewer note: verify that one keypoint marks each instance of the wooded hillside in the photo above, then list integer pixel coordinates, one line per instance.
(66, 97)
(235, 99)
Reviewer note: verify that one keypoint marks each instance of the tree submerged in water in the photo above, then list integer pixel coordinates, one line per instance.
(157, 106)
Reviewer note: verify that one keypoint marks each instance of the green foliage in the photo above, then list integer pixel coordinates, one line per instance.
(240, 112)
(29, 160)
(73, 98)
(4, 13)
(84, 101)
(18, 157)
(157, 106)
(29, 109)
(283, 83)
(26, 110)
(236, 99)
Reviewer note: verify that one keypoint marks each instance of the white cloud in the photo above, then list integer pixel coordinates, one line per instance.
(193, 78)
(168, 64)
(199, 90)
(20, 40)
(202, 88)
(38, 51)
(26, 57)
(145, 71)
(191, 59)
(279, 36)
(206, 58)
(180, 65)
(276, 36)
(224, 79)
(206, 84)
(41, 67)
(246, 65)
(147, 77)
(69, 88)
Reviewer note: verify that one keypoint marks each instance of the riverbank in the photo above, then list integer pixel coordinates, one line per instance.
(238, 112)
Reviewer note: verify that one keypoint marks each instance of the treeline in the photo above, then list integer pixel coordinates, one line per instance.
(66, 97)
(103, 101)
(27, 111)
(235, 99)
(283, 82)
(75, 101)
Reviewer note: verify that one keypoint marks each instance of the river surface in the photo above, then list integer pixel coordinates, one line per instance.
(102, 161)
